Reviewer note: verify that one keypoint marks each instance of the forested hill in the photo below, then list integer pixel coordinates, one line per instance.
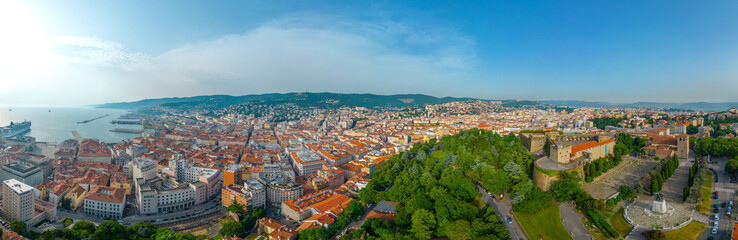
(301, 99)
(434, 184)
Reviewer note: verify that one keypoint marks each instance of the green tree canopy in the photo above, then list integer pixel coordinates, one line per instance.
(110, 229)
(236, 208)
(423, 223)
(313, 234)
(233, 228)
(18, 226)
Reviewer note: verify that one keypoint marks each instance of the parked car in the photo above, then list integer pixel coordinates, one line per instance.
(717, 217)
(714, 230)
(509, 220)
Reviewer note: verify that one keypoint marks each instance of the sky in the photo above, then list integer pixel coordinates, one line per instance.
(90, 52)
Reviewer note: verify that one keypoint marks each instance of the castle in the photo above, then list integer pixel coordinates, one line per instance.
(566, 153)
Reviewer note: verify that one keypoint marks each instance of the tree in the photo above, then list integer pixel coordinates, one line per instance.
(236, 208)
(18, 226)
(495, 180)
(514, 171)
(654, 235)
(458, 230)
(110, 229)
(354, 209)
(423, 222)
(731, 167)
(313, 234)
(232, 228)
(84, 225)
(566, 188)
(164, 234)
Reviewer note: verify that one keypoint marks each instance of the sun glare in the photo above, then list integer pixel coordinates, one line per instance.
(23, 45)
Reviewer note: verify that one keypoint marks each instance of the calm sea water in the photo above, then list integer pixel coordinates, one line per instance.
(56, 124)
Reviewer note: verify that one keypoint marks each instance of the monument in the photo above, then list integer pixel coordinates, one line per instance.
(659, 203)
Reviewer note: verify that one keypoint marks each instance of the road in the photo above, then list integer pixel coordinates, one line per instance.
(210, 206)
(205, 208)
(573, 222)
(504, 209)
(726, 192)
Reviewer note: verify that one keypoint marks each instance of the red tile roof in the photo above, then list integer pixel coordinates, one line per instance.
(584, 146)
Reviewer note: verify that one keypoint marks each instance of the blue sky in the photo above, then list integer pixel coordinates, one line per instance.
(86, 52)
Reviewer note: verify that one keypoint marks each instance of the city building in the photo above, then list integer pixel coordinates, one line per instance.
(143, 168)
(275, 229)
(666, 146)
(213, 178)
(92, 150)
(22, 171)
(232, 175)
(76, 197)
(252, 194)
(17, 201)
(314, 204)
(304, 161)
(280, 187)
(105, 202)
(164, 194)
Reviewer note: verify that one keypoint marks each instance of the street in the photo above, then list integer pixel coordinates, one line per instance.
(504, 209)
(726, 192)
(208, 207)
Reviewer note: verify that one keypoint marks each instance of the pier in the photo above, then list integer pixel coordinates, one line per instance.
(77, 137)
(131, 122)
(86, 121)
(127, 130)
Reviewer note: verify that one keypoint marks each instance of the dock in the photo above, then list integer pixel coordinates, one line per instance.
(86, 121)
(127, 130)
(77, 137)
(130, 122)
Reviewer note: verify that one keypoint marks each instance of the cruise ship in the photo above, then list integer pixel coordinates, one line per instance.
(15, 129)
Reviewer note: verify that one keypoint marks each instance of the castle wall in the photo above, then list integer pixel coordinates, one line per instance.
(533, 142)
(543, 181)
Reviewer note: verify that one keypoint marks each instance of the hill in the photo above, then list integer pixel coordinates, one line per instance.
(695, 106)
(211, 102)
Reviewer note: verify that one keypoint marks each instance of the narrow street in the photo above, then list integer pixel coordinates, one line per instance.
(504, 209)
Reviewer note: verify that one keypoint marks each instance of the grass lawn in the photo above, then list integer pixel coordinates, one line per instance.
(618, 222)
(252, 236)
(544, 225)
(704, 205)
(690, 232)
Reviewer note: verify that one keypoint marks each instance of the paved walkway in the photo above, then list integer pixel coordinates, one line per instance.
(573, 222)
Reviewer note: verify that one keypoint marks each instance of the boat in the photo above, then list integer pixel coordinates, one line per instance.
(15, 129)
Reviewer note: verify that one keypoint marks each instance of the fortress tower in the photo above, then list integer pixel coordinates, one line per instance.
(683, 146)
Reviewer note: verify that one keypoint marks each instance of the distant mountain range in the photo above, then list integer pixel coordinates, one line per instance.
(211, 102)
(301, 99)
(695, 106)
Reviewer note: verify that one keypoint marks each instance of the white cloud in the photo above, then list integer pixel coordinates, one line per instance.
(296, 53)
(94, 51)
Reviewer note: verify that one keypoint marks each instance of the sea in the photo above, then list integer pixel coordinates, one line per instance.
(55, 124)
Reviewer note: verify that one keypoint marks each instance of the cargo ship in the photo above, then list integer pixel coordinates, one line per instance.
(15, 129)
